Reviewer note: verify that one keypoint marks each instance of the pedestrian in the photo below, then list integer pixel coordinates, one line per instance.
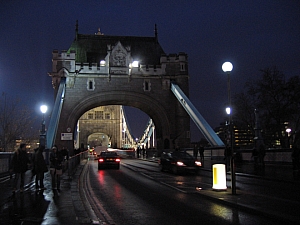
(143, 151)
(19, 165)
(56, 159)
(201, 151)
(65, 154)
(138, 152)
(195, 152)
(255, 156)
(39, 168)
(261, 155)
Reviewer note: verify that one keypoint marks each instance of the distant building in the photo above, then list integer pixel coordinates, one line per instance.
(101, 126)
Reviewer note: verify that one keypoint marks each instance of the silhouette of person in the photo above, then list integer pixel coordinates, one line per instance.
(56, 159)
(19, 166)
(39, 167)
(201, 151)
(261, 155)
(195, 151)
(255, 156)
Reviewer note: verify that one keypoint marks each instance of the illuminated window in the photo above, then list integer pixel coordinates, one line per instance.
(107, 116)
(90, 116)
(99, 115)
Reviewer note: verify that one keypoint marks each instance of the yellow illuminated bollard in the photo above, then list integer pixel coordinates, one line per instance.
(219, 177)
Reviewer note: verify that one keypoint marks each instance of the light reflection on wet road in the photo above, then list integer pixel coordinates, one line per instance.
(133, 195)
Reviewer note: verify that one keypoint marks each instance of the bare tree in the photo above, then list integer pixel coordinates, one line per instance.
(276, 99)
(16, 122)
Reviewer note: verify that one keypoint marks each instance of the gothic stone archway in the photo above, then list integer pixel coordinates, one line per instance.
(117, 70)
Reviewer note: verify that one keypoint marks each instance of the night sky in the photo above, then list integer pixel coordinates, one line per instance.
(253, 35)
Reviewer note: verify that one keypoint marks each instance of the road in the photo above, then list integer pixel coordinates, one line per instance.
(139, 193)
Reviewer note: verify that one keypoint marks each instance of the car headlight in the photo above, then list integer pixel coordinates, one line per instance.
(197, 163)
(180, 164)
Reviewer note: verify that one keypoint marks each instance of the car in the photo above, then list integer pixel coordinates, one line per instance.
(108, 159)
(178, 161)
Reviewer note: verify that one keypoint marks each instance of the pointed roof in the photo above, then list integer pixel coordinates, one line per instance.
(93, 48)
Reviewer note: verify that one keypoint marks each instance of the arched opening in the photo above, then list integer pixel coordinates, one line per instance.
(115, 126)
(144, 103)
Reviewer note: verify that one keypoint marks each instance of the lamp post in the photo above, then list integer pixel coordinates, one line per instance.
(43, 109)
(227, 68)
(288, 130)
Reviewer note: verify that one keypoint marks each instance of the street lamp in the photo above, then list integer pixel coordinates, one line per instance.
(227, 68)
(288, 130)
(43, 109)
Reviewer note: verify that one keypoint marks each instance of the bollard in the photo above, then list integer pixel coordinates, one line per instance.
(219, 177)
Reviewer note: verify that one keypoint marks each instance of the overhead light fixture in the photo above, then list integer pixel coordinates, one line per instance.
(102, 63)
(135, 64)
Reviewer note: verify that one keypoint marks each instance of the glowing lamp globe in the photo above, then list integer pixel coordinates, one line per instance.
(227, 67)
(43, 109)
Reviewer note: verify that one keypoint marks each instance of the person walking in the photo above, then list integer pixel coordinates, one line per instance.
(261, 155)
(195, 152)
(65, 155)
(39, 168)
(201, 151)
(56, 159)
(19, 165)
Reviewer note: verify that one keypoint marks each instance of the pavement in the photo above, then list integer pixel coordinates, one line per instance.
(48, 207)
(70, 206)
(258, 202)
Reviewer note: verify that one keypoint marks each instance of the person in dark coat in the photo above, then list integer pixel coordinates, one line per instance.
(39, 168)
(65, 155)
(19, 165)
(261, 155)
(56, 159)
(201, 151)
(255, 156)
(195, 152)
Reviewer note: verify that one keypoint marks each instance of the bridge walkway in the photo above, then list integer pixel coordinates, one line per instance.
(69, 207)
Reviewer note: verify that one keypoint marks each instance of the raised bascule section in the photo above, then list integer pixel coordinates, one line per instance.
(209, 134)
(99, 70)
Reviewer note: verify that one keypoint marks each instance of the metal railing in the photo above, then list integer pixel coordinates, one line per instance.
(71, 164)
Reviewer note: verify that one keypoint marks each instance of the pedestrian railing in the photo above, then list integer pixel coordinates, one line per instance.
(71, 164)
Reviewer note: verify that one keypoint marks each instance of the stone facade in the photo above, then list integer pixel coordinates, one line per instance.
(101, 126)
(105, 70)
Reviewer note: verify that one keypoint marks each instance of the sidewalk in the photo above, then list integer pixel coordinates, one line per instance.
(47, 207)
(276, 208)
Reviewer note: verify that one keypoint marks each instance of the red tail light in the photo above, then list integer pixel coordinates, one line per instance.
(118, 160)
(101, 160)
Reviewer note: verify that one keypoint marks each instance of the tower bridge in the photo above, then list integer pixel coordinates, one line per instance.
(103, 70)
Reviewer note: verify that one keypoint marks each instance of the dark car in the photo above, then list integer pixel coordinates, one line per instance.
(108, 160)
(178, 161)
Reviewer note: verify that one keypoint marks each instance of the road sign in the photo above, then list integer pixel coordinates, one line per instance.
(66, 136)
